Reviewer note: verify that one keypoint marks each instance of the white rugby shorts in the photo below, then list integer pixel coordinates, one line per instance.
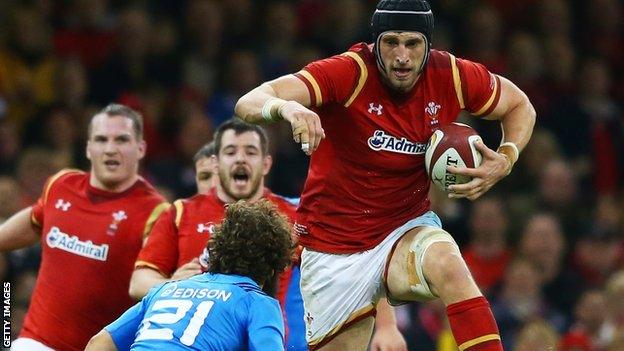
(341, 289)
(27, 344)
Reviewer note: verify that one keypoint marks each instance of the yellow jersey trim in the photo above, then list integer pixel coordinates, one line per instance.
(361, 80)
(457, 82)
(315, 86)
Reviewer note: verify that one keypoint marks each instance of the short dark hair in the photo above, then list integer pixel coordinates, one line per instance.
(240, 127)
(253, 240)
(125, 111)
(205, 151)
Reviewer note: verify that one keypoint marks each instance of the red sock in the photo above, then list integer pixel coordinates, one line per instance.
(473, 325)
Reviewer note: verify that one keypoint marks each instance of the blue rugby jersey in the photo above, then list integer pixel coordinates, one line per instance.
(205, 312)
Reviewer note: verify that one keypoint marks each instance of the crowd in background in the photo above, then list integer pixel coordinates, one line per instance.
(546, 245)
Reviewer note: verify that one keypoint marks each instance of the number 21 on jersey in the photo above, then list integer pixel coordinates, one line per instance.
(175, 319)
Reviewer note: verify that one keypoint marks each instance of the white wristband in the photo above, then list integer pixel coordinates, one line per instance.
(270, 109)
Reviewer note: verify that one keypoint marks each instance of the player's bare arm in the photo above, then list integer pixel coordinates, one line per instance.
(145, 278)
(517, 117)
(387, 336)
(18, 231)
(142, 280)
(284, 98)
(102, 341)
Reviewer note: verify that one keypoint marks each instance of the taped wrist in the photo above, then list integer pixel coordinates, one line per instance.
(511, 152)
(271, 109)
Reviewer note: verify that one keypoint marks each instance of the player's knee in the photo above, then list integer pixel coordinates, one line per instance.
(447, 267)
(429, 239)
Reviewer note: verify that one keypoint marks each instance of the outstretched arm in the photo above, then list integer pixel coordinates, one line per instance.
(145, 278)
(18, 232)
(517, 117)
(284, 98)
(387, 336)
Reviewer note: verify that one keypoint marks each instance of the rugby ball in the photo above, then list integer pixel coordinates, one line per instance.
(451, 145)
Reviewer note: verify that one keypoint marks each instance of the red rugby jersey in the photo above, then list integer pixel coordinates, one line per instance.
(368, 175)
(90, 240)
(182, 232)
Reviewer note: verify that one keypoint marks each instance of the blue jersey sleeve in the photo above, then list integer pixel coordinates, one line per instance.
(124, 329)
(265, 327)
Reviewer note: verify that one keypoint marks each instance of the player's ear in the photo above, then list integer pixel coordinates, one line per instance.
(87, 152)
(214, 164)
(142, 148)
(266, 164)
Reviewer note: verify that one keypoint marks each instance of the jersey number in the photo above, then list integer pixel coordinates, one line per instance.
(181, 308)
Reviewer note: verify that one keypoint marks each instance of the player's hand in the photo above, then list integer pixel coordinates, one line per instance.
(388, 338)
(306, 125)
(187, 270)
(493, 168)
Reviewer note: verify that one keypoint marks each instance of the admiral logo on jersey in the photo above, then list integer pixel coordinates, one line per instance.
(56, 239)
(386, 142)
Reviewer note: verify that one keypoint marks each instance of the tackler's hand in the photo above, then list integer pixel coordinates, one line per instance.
(494, 167)
(187, 270)
(306, 125)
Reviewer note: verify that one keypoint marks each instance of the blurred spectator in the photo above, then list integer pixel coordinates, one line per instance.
(204, 29)
(525, 67)
(242, 74)
(487, 254)
(35, 166)
(521, 301)
(279, 44)
(543, 243)
(590, 330)
(598, 253)
(537, 335)
(27, 66)
(86, 32)
(179, 173)
(482, 38)
(11, 199)
(614, 291)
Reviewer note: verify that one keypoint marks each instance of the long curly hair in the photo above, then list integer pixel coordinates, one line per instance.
(253, 240)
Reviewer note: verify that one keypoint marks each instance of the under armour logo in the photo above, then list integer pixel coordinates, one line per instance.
(432, 109)
(377, 109)
(62, 205)
(201, 228)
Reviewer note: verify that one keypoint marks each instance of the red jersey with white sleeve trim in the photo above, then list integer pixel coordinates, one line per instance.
(182, 232)
(368, 176)
(90, 240)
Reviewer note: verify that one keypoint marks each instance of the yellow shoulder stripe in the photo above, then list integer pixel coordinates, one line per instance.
(179, 207)
(457, 82)
(34, 220)
(153, 217)
(315, 86)
(490, 100)
(479, 340)
(361, 80)
(53, 179)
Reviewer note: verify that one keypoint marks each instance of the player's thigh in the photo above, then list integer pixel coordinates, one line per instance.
(405, 279)
(354, 338)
